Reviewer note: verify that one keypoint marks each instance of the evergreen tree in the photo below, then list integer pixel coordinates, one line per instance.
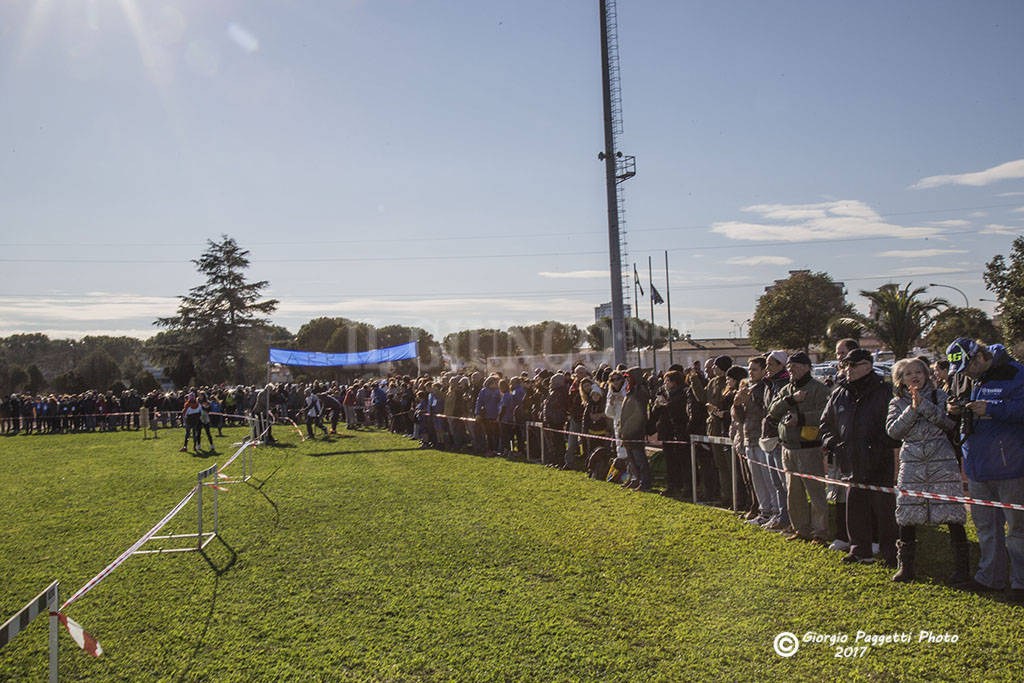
(213, 315)
(1006, 279)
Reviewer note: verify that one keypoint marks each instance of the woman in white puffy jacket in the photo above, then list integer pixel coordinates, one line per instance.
(917, 417)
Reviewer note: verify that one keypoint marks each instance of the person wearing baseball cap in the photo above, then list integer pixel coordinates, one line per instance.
(795, 415)
(853, 435)
(993, 458)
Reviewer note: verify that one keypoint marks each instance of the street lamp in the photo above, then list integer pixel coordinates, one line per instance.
(967, 303)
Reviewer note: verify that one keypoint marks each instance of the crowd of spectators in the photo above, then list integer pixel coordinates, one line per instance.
(925, 427)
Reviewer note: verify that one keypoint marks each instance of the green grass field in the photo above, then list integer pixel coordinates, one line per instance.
(364, 558)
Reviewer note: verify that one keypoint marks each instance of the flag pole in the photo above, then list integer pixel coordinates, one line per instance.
(654, 350)
(636, 317)
(668, 304)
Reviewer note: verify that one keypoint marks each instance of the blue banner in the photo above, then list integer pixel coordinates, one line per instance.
(314, 359)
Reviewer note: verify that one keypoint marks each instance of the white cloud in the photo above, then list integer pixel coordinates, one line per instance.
(576, 274)
(979, 214)
(920, 253)
(760, 260)
(1007, 171)
(997, 229)
(1010, 194)
(827, 220)
(90, 308)
(1019, 210)
(923, 270)
(243, 38)
(955, 223)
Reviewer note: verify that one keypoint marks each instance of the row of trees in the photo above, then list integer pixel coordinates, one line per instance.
(34, 362)
(808, 309)
(221, 331)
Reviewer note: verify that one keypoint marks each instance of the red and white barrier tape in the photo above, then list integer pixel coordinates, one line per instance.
(891, 489)
(79, 635)
(848, 484)
(288, 419)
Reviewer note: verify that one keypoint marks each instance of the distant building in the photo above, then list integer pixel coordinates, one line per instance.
(684, 352)
(605, 311)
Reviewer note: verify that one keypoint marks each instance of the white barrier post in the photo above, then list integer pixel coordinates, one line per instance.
(543, 458)
(199, 505)
(216, 490)
(52, 606)
(693, 466)
(48, 600)
(202, 539)
(526, 428)
(735, 484)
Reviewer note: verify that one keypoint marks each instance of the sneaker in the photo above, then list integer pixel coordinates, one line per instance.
(841, 545)
(757, 520)
(183, 449)
(850, 558)
(776, 525)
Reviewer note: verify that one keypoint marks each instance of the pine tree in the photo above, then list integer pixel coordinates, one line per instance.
(213, 315)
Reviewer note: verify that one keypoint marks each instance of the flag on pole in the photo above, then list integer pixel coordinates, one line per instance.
(636, 280)
(655, 297)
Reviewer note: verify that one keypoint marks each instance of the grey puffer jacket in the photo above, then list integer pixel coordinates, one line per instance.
(927, 460)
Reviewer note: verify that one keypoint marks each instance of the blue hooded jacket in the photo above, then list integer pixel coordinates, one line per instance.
(996, 448)
(488, 402)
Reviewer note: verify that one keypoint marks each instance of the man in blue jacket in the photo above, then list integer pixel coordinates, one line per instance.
(994, 458)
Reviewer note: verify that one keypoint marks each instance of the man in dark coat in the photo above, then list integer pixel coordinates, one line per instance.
(669, 415)
(555, 411)
(853, 433)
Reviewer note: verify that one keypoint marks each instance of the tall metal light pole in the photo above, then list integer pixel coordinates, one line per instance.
(611, 158)
(967, 302)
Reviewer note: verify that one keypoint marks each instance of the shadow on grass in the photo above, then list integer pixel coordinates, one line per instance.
(259, 490)
(218, 572)
(370, 450)
(232, 558)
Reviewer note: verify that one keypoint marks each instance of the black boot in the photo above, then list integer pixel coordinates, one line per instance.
(905, 553)
(961, 562)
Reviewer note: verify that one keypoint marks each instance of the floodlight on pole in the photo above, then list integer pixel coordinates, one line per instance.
(967, 302)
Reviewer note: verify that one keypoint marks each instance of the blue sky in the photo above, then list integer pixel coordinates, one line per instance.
(435, 164)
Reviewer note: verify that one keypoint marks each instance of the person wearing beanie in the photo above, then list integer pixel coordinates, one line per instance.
(719, 402)
(737, 391)
(669, 417)
(795, 415)
(633, 427)
(751, 398)
(776, 377)
(553, 414)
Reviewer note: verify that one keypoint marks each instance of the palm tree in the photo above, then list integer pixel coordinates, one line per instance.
(900, 317)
